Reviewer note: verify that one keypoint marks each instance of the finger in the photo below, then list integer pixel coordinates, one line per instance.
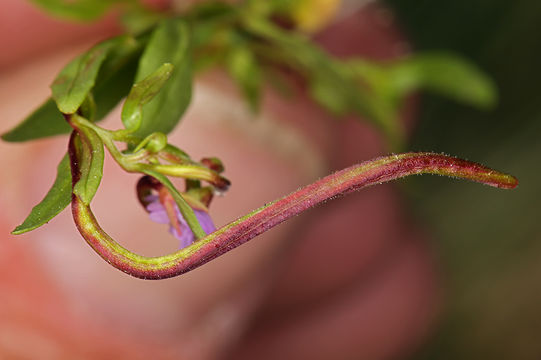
(28, 31)
(385, 312)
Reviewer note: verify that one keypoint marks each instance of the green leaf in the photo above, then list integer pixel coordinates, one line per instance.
(88, 108)
(91, 164)
(169, 43)
(58, 197)
(212, 11)
(117, 73)
(245, 70)
(448, 75)
(113, 83)
(138, 20)
(330, 83)
(445, 74)
(81, 10)
(47, 120)
(141, 93)
(328, 92)
(334, 87)
(76, 79)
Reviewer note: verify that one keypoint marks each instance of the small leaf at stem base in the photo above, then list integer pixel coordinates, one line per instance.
(54, 202)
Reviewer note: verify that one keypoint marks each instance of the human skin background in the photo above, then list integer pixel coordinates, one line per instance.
(352, 279)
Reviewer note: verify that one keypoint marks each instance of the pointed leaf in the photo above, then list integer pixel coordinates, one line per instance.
(245, 70)
(330, 82)
(76, 79)
(47, 120)
(82, 10)
(117, 73)
(54, 202)
(445, 74)
(91, 164)
(113, 83)
(451, 76)
(141, 93)
(169, 43)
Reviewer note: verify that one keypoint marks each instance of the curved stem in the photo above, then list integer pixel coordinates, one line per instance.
(236, 233)
(124, 162)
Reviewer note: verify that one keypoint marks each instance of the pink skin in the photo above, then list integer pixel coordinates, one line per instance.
(27, 32)
(381, 298)
(373, 295)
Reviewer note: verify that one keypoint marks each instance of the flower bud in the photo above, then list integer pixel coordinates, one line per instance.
(213, 163)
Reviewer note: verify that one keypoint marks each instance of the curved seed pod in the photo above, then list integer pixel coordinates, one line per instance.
(241, 230)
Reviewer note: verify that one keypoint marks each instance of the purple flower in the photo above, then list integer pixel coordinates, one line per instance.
(169, 213)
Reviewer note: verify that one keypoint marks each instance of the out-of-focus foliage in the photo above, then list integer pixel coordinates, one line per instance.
(169, 43)
(80, 10)
(113, 82)
(247, 40)
(490, 247)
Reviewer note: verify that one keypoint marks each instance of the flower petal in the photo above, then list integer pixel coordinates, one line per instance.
(158, 214)
(159, 217)
(205, 220)
(186, 238)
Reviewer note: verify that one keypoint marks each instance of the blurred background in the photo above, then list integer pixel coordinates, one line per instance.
(489, 244)
(428, 268)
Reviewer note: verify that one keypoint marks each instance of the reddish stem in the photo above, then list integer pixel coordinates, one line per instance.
(238, 232)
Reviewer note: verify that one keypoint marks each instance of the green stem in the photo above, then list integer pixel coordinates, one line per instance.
(124, 161)
(185, 209)
(198, 172)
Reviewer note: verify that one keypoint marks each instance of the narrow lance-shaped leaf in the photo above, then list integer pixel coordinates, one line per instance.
(81, 10)
(58, 197)
(330, 82)
(112, 84)
(441, 73)
(327, 83)
(451, 76)
(117, 73)
(45, 121)
(245, 70)
(239, 231)
(141, 93)
(91, 165)
(75, 80)
(138, 20)
(169, 43)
